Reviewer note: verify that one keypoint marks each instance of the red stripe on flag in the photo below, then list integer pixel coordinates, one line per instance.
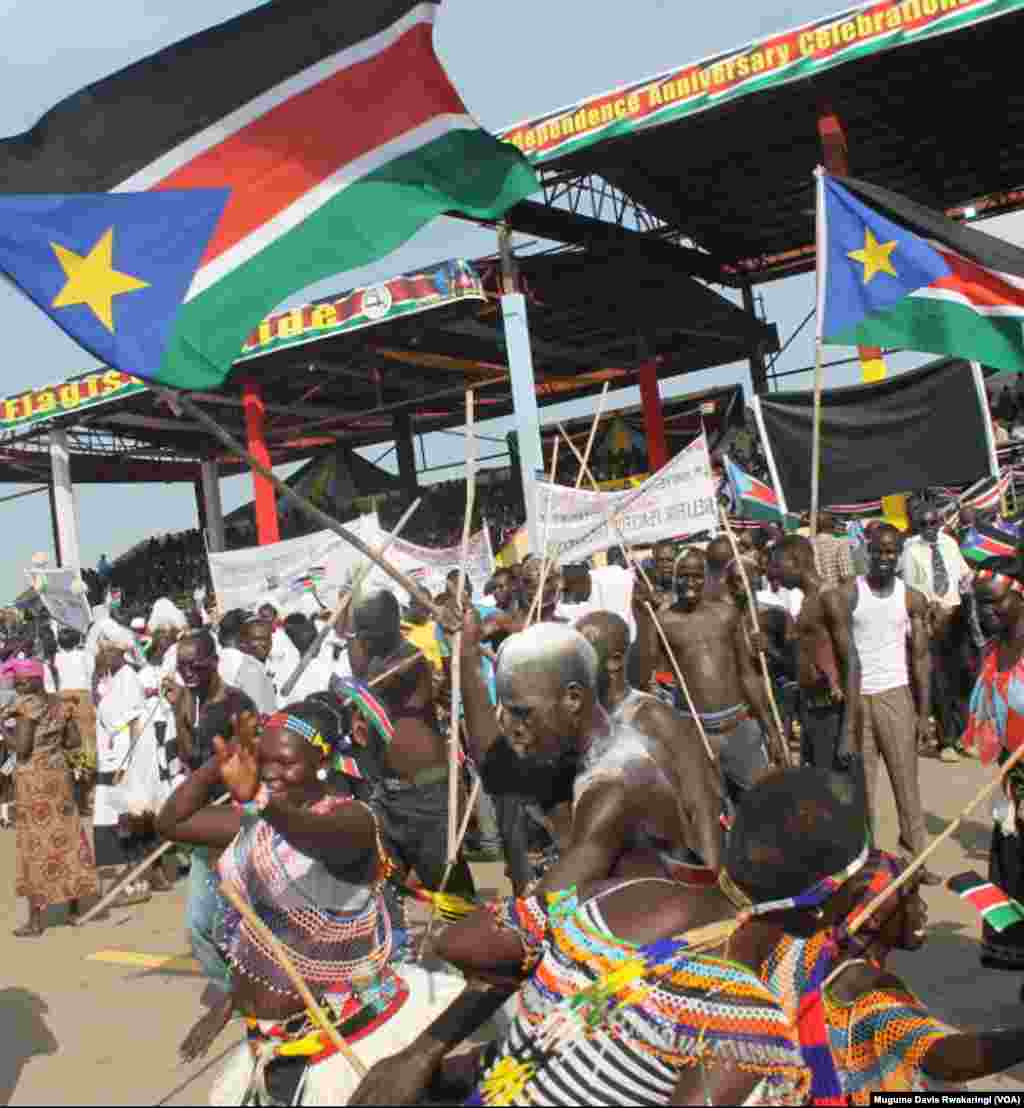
(986, 897)
(982, 287)
(289, 150)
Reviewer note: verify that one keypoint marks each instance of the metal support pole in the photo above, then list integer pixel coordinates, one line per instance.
(267, 529)
(213, 507)
(63, 502)
(524, 394)
(758, 371)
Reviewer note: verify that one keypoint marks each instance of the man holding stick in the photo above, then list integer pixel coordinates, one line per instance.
(828, 666)
(411, 770)
(717, 664)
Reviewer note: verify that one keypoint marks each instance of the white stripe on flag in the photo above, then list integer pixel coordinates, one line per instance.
(289, 218)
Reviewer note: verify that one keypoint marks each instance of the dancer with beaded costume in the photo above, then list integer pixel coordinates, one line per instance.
(995, 729)
(667, 995)
(310, 862)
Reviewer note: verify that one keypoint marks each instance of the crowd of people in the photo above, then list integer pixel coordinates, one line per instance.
(690, 845)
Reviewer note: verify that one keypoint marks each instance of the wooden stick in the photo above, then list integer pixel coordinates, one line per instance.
(628, 555)
(474, 795)
(536, 605)
(925, 854)
(132, 874)
(271, 943)
(343, 605)
(590, 438)
(184, 401)
(456, 666)
(816, 439)
(755, 625)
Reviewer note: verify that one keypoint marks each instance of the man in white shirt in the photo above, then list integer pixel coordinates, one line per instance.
(316, 677)
(611, 589)
(932, 564)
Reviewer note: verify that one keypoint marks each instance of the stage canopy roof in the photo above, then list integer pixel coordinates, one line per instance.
(721, 152)
(393, 360)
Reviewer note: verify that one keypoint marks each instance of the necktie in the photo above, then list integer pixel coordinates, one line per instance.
(940, 578)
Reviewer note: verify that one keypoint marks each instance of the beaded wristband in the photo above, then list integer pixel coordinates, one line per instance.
(255, 806)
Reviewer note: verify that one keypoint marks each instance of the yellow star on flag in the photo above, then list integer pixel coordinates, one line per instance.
(874, 256)
(92, 279)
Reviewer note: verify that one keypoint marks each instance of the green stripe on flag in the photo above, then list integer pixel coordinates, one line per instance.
(1004, 916)
(944, 327)
(467, 171)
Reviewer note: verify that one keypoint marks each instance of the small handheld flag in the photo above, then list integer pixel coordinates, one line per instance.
(993, 905)
(753, 498)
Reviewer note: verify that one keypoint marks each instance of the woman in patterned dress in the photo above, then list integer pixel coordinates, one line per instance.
(881, 1037)
(995, 728)
(54, 855)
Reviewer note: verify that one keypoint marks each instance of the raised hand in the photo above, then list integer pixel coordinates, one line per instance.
(239, 761)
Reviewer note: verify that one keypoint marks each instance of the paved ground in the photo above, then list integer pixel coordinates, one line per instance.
(76, 1030)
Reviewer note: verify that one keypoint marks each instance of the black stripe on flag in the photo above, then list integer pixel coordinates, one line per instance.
(987, 251)
(107, 132)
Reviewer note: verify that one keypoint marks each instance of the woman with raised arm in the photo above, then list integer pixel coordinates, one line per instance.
(307, 857)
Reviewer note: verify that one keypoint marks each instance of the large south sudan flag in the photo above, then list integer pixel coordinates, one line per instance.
(158, 215)
(894, 273)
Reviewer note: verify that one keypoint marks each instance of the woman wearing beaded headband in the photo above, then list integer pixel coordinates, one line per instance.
(880, 1036)
(310, 863)
(995, 728)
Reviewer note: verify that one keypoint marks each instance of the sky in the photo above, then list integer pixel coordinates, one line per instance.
(535, 57)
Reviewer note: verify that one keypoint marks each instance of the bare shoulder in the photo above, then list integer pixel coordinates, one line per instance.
(837, 603)
(861, 978)
(917, 605)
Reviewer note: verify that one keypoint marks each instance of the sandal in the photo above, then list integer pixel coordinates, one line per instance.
(28, 931)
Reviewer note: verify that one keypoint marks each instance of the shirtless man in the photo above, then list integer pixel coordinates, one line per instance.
(674, 744)
(410, 773)
(548, 682)
(664, 556)
(717, 663)
(718, 553)
(828, 666)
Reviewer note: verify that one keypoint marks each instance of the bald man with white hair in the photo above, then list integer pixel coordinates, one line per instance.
(609, 782)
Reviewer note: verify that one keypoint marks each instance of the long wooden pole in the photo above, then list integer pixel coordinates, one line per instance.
(317, 645)
(538, 600)
(925, 854)
(584, 461)
(270, 942)
(756, 627)
(628, 555)
(184, 401)
(816, 439)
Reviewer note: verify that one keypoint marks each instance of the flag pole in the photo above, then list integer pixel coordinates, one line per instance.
(182, 401)
(820, 240)
(816, 440)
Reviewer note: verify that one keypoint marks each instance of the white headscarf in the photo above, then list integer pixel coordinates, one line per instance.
(166, 613)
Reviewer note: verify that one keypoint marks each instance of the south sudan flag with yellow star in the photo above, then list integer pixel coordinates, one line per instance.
(158, 215)
(892, 273)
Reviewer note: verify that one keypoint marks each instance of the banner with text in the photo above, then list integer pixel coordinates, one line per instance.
(676, 501)
(281, 570)
(63, 596)
(322, 564)
(859, 32)
(429, 566)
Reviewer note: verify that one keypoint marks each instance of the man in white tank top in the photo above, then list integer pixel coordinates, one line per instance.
(885, 612)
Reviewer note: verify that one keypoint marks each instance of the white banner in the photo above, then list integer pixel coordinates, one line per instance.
(242, 578)
(678, 500)
(429, 566)
(63, 595)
